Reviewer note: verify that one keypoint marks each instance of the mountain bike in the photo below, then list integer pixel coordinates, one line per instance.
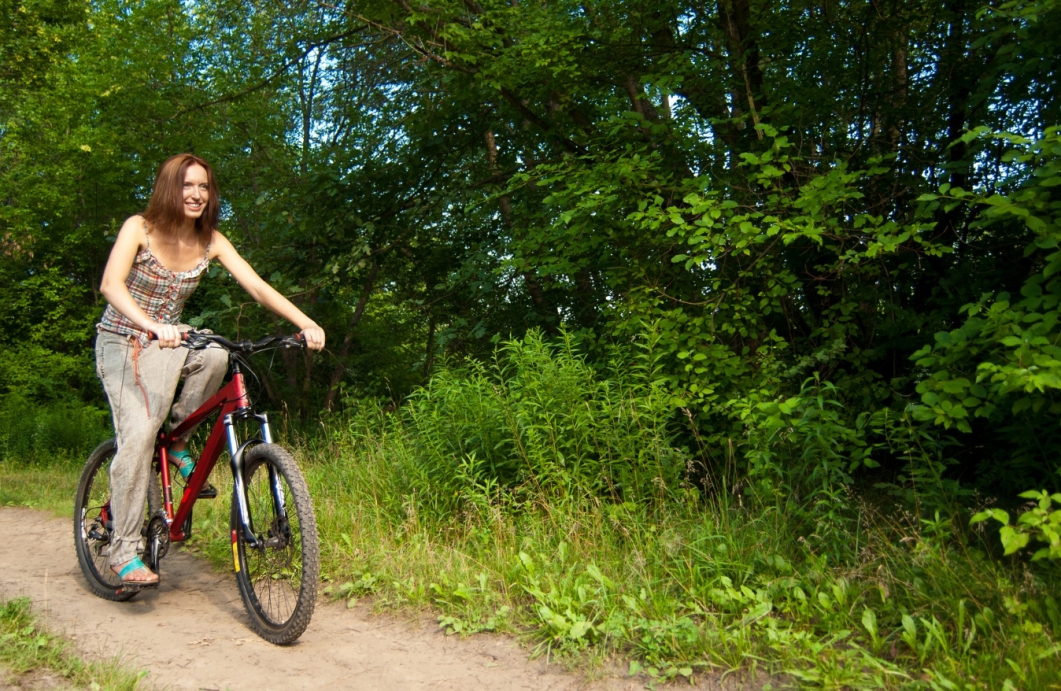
(275, 550)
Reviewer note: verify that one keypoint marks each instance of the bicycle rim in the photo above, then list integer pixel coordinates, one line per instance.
(91, 534)
(277, 579)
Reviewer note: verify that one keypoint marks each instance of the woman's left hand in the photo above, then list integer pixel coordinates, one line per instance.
(263, 293)
(314, 336)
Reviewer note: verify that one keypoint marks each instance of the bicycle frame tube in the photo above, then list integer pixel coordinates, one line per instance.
(232, 398)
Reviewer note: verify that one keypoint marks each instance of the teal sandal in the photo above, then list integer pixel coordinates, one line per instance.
(132, 566)
(185, 462)
(186, 466)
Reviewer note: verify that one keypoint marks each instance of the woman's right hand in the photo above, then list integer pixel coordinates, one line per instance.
(169, 336)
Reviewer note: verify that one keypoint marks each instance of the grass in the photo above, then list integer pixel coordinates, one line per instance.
(49, 486)
(693, 586)
(530, 497)
(698, 585)
(28, 649)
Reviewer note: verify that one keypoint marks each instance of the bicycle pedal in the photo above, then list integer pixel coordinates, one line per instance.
(136, 587)
(208, 492)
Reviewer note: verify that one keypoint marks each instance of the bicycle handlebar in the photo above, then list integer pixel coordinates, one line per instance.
(197, 340)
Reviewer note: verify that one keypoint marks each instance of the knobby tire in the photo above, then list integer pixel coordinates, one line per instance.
(93, 492)
(278, 581)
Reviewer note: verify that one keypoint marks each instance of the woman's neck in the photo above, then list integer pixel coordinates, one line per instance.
(187, 232)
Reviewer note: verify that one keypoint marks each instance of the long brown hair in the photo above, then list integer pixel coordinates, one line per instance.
(165, 210)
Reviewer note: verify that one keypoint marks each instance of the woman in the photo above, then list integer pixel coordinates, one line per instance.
(156, 263)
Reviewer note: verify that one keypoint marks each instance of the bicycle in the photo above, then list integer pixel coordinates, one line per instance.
(275, 551)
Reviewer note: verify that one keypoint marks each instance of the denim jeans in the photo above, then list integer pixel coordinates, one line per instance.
(140, 384)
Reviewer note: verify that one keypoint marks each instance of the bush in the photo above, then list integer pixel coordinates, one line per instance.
(40, 432)
(539, 418)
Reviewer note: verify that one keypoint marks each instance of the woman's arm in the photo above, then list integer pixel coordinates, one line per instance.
(263, 293)
(119, 264)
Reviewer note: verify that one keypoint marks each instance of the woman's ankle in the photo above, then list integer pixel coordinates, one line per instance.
(185, 462)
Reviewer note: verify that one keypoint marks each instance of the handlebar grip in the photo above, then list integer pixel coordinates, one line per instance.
(152, 336)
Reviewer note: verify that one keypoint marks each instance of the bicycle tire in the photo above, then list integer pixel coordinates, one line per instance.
(91, 536)
(278, 581)
(93, 493)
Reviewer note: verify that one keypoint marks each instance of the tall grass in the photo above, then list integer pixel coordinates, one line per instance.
(689, 585)
(532, 495)
(539, 421)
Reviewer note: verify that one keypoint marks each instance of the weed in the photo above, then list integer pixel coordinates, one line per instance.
(26, 646)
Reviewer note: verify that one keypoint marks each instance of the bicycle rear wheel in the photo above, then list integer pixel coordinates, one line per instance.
(278, 577)
(92, 524)
(92, 521)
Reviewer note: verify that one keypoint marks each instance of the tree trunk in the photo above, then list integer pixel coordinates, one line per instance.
(735, 19)
(344, 349)
(534, 286)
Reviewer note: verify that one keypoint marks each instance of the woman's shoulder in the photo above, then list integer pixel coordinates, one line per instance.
(218, 244)
(135, 227)
(136, 220)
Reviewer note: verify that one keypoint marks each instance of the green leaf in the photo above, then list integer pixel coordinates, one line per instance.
(869, 621)
(1013, 540)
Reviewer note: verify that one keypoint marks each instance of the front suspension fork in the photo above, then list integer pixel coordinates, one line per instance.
(236, 453)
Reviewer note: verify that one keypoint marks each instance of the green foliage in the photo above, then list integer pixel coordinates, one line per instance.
(31, 431)
(1041, 522)
(428, 180)
(26, 646)
(686, 587)
(1003, 360)
(788, 570)
(742, 237)
(539, 418)
(1003, 363)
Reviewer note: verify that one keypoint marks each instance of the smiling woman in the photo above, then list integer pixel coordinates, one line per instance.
(185, 189)
(155, 265)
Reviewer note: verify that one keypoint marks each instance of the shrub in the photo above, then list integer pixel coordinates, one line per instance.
(539, 417)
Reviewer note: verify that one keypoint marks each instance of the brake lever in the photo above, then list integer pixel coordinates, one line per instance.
(292, 341)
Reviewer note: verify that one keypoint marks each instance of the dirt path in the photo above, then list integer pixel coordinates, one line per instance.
(192, 634)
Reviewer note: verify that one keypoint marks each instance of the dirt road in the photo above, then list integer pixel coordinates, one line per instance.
(192, 634)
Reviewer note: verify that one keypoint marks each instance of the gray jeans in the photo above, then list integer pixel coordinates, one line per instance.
(140, 391)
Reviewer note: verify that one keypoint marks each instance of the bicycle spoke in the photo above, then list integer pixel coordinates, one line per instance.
(278, 576)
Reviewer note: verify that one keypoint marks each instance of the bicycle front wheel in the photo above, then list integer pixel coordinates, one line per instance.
(277, 577)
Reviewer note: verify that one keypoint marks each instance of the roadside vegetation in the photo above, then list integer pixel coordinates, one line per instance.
(532, 495)
(29, 651)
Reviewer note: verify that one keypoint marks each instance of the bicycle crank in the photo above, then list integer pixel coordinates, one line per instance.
(157, 542)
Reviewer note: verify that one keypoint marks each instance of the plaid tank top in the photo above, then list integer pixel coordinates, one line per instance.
(161, 293)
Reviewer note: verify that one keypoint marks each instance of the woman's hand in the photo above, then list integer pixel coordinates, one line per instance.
(263, 293)
(314, 336)
(169, 336)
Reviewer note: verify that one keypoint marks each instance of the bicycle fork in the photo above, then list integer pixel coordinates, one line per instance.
(236, 453)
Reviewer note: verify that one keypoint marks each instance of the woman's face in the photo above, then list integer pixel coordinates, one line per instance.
(196, 191)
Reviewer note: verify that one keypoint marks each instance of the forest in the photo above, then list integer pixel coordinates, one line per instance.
(709, 335)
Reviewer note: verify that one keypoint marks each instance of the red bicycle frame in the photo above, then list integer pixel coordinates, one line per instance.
(231, 404)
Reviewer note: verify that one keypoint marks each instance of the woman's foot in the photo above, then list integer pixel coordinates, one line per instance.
(185, 462)
(135, 572)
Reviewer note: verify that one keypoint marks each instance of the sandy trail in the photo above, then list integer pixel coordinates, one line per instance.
(192, 633)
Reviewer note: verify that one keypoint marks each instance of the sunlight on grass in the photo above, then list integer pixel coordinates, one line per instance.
(27, 648)
(39, 486)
